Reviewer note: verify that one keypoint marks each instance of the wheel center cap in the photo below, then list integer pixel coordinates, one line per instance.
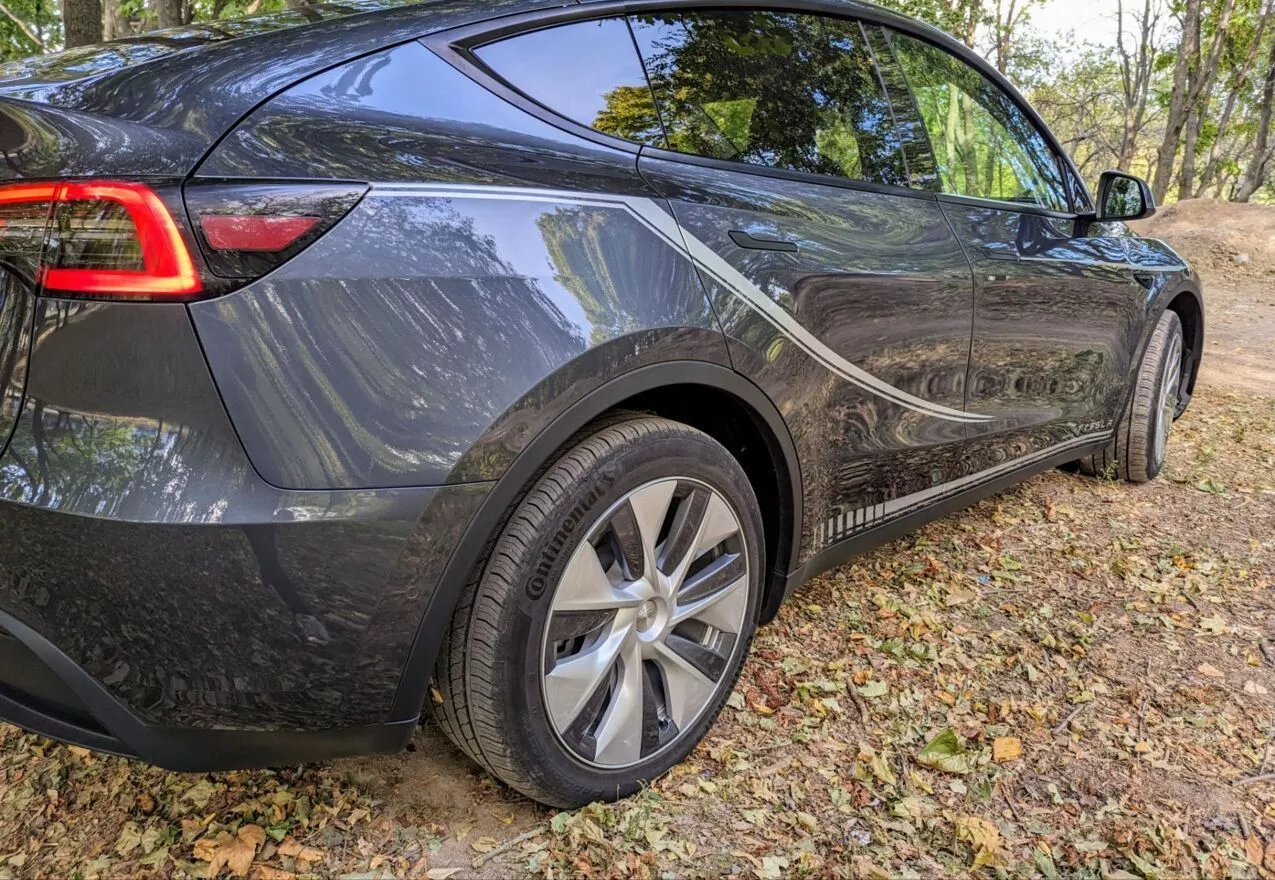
(646, 615)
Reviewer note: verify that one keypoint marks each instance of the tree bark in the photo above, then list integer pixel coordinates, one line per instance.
(81, 22)
(1176, 119)
(1193, 76)
(1135, 77)
(1186, 176)
(168, 13)
(1259, 163)
(116, 22)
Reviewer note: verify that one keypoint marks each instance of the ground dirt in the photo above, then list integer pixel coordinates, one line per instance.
(1073, 679)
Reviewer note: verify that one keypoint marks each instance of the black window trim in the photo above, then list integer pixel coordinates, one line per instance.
(456, 45)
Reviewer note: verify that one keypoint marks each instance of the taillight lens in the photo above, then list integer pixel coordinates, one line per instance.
(117, 239)
(110, 239)
(113, 239)
(256, 234)
(247, 229)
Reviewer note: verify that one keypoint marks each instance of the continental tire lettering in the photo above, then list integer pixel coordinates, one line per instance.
(538, 583)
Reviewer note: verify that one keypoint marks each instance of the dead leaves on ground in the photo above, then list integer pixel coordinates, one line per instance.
(1064, 682)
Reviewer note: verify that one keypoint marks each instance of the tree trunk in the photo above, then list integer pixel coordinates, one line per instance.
(1258, 170)
(117, 24)
(1135, 77)
(1186, 176)
(168, 13)
(81, 22)
(1178, 108)
(1193, 77)
(1238, 88)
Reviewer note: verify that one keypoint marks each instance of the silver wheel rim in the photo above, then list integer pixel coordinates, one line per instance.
(645, 623)
(1170, 386)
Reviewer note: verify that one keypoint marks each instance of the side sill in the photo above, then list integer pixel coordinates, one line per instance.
(844, 551)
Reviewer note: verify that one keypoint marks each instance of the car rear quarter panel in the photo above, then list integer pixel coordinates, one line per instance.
(433, 332)
(139, 540)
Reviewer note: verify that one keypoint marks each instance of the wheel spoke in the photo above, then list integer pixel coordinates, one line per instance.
(650, 506)
(723, 609)
(585, 586)
(686, 689)
(619, 736)
(574, 680)
(628, 535)
(703, 521)
(718, 574)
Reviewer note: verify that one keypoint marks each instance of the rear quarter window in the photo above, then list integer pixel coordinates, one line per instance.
(587, 71)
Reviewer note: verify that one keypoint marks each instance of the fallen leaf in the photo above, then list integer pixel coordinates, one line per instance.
(265, 872)
(874, 689)
(294, 850)
(945, 753)
(130, 839)
(1252, 688)
(233, 852)
(1211, 671)
(1006, 748)
(983, 837)
(1253, 850)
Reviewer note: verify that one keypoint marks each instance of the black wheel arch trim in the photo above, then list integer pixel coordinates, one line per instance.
(1195, 346)
(1179, 284)
(514, 483)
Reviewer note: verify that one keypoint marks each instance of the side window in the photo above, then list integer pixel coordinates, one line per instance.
(984, 145)
(790, 91)
(587, 71)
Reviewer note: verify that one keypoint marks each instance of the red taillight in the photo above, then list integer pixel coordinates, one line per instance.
(108, 238)
(254, 233)
(246, 229)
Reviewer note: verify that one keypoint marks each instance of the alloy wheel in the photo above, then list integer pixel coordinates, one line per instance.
(645, 622)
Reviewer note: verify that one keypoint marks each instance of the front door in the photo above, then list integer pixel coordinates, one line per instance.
(842, 288)
(1056, 313)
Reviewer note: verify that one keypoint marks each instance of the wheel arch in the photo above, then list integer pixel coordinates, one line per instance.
(707, 396)
(1188, 304)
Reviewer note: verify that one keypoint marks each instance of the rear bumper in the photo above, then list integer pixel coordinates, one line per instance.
(36, 698)
(158, 599)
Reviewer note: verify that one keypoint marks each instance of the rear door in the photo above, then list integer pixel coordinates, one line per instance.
(1056, 313)
(842, 289)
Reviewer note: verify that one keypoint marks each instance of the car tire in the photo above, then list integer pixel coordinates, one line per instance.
(574, 670)
(1137, 453)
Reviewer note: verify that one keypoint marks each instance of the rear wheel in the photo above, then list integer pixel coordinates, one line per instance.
(1138, 452)
(612, 619)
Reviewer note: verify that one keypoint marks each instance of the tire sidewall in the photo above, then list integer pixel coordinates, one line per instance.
(1169, 327)
(519, 658)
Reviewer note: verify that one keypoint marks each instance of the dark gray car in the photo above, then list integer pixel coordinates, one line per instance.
(537, 351)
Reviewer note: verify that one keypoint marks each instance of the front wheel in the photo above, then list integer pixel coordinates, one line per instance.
(1138, 452)
(612, 619)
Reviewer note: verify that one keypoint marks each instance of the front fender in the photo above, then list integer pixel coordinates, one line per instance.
(1173, 284)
